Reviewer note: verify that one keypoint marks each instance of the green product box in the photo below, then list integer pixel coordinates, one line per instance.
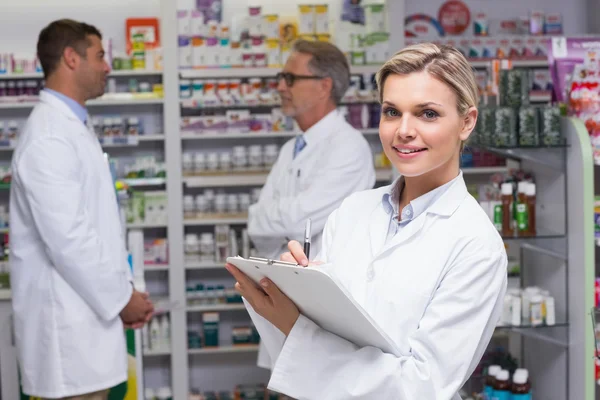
(242, 335)
(514, 88)
(505, 132)
(529, 126)
(487, 123)
(211, 329)
(550, 133)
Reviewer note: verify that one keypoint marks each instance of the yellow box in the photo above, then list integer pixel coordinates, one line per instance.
(322, 19)
(273, 53)
(306, 19)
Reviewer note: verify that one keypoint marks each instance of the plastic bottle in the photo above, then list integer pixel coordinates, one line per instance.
(502, 386)
(164, 393)
(154, 334)
(165, 332)
(536, 310)
(495, 209)
(530, 199)
(490, 380)
(521, 388)
(149, 394)
(507, 205)
(145, 337)
(550, 310)
(522, 216)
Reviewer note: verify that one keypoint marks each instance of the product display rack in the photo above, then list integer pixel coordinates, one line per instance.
(558, 258)
(558, 357)
(185, 373)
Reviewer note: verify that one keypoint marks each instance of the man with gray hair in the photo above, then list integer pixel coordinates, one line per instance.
(326, 162)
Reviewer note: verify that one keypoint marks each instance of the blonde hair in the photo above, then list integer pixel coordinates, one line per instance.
(444, 63)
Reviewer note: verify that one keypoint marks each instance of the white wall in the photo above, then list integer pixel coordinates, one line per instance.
(22, 20)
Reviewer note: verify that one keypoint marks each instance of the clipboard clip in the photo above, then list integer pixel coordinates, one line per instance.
(269, 261)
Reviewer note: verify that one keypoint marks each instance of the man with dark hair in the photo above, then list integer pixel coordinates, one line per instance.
(71, 283)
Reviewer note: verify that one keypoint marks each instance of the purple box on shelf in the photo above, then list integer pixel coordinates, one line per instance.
(215, 123)
(261, 123)
(212, 9)
(238, 121)
(192, 124)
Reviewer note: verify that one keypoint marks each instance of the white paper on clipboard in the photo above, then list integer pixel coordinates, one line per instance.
(321, 299)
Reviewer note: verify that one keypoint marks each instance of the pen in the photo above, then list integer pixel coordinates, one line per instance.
(307, 239)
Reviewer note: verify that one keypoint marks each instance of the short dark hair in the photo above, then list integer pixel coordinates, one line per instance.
(59, 35)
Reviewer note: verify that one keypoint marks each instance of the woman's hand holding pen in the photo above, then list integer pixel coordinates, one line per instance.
(270, 302)
(296, 255)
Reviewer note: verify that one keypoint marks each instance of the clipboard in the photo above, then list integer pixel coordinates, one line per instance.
(321, 299)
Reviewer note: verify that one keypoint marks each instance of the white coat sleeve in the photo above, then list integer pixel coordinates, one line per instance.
(451, 338)
(345, 172)
(48, 171)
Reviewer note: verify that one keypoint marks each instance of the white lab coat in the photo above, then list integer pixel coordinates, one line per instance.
(336, 162)
(436, 289)
(69, 272)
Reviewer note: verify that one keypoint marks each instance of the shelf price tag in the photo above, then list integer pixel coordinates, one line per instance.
(7, 143)
(119, 141)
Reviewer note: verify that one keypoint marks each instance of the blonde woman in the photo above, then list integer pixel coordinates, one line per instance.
(420, 256)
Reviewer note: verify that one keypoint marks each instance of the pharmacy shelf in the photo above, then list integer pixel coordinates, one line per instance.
(141, 182)
(94, 103)
(156, 267)
(204, 265)
(253, 135)
(259, 179)
(134, 72)
(230, 180)
(130, 140)
(105, 142)
(39, 75)
(484, 170)
(143, 225)
(157, 352)
(525, 63)
(225, 349)
(125, 102)
(252, 72)
(542, 97)
(32, 75)
(214, 221)
(4, 230)
(248, 135)
(216, 308)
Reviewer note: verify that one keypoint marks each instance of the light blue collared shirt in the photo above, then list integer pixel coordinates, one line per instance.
(77, 108)
(413, 209)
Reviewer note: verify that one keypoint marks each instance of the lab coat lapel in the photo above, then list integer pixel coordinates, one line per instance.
(405, 234)
(378, 226)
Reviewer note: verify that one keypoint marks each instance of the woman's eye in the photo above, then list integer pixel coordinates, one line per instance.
(390, 112)
(430, 114)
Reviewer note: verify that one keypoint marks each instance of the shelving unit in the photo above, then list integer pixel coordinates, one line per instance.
(183, 360)
(114, 73)
(95, 103)
(224, 350)
(563, 360)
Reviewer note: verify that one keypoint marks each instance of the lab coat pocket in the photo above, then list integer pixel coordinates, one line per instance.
(288, 184)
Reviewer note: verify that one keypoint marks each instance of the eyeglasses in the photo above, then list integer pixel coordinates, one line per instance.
(291, 78)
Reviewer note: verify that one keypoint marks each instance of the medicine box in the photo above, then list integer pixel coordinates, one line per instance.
(210, 323)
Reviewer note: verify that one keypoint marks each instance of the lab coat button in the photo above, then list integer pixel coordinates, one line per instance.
(370, 273)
